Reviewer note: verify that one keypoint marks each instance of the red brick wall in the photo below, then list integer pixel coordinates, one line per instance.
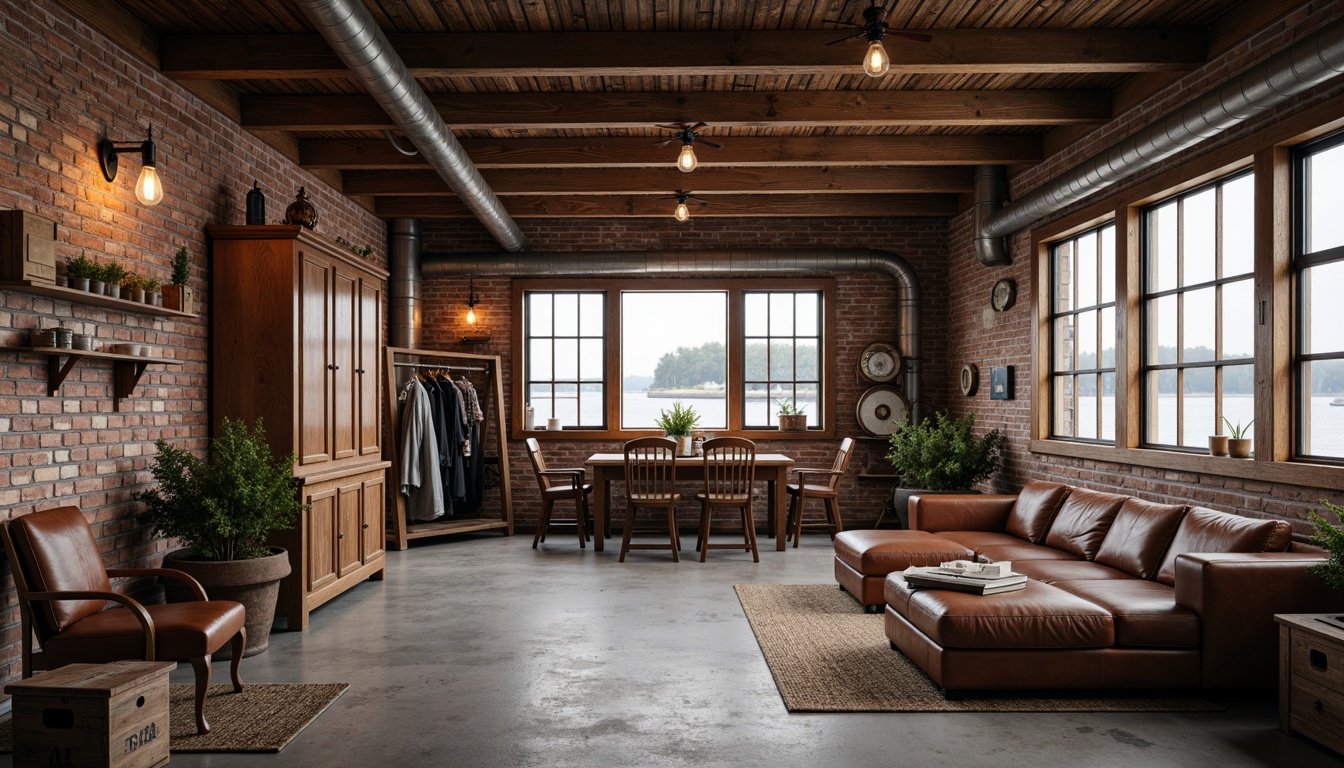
(1007, 339)
(865, 309)
(62, 88)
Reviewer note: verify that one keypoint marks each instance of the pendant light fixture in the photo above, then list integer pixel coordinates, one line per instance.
(683, 212)
(686, 161)
(471, 300)
(686, 134)
(148, 188)
(876, 62)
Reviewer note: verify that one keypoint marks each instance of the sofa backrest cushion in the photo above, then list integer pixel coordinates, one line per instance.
(1204, 530)
(1139, 537)
(1036, 506)
(1082, 522)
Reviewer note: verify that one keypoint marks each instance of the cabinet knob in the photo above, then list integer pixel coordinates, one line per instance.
(340, 535)
(335, 367)
(360, 371)
(330, 367)
(366, 525)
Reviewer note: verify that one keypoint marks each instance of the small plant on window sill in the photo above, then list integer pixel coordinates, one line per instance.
(678, 422)
(1236, 431)
(1331, 537)
(787, 408)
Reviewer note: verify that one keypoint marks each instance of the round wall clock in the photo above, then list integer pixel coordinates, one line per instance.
(879, 363)
(881, 410)
(970, 379)
(1003, 294)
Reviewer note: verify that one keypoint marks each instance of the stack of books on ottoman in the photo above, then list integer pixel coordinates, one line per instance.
(965, 576)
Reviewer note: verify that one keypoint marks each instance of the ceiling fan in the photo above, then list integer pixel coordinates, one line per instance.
(686, 134)
(682, 212)
(874, 28)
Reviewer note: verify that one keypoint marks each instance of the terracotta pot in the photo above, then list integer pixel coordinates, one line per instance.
(794, 423)
(255, 583)
(1239, 449)
(1217, 445)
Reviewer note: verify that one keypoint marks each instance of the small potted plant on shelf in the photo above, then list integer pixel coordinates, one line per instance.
(940, 455)
(152, 295)
(177, 295)
(112, 272)
(678, 423)
(223, 509)
(1238, 444)
(1330, 536)
(133, 287)
(81, 270)
(791, 416)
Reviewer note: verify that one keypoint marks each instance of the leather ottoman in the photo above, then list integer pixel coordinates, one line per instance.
(863, 558)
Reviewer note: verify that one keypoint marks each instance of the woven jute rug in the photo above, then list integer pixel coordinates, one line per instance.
(827, 655)
(263, 718)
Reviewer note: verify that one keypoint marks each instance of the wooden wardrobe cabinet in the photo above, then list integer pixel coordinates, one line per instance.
(296, 336)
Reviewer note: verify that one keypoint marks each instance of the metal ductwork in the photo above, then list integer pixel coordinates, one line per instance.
(1307, 63)
(403, 283)
(991, 192)
(647, 263)
(352, 33)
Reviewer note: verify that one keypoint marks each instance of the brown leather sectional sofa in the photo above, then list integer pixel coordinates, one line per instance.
(1123, 593)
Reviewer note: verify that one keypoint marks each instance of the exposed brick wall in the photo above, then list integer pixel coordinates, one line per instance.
(62, 88)
(1007, 338)
(865, 312)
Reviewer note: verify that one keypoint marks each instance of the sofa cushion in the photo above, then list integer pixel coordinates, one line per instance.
(1036, 506)
(877, 553)
(978, 540)
(1146, 613)
(1139, 537)
(1039, 616)
(1051, 571)
(1019, 551)
(1204, 530)
(1082, 522)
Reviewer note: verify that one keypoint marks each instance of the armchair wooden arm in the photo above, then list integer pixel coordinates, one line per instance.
(578, 472)
(167, 573)
(137, 610)
(805, 472)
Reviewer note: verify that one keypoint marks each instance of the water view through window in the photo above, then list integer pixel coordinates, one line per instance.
(674, 347)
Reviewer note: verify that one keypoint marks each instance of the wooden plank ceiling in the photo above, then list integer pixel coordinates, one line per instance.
(557, 101)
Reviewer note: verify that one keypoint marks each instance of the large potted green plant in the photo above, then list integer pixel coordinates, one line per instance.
(940, 455)
(1330, 536)
(678, 423)
(222, 509)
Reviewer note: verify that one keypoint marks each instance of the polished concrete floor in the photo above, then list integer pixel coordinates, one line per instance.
(483, 652)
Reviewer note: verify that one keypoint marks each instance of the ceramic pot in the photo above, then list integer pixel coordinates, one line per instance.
(255, 583)
(794, 423)
(79, 283)
(97, 286)
(1239, 449)
(113, 290)
(685, 445)
(1217, 445)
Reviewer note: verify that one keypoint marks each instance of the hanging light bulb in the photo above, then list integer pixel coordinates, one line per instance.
(148, 188)
(686, 161)
(876, 62)
(682, 213)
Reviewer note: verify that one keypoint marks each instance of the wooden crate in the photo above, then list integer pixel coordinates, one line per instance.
(27, 247)
(106, 715)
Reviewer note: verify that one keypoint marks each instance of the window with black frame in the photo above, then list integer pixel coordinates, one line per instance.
(781, 356)
(1318, 264)
(1082, 336)
(564, 336)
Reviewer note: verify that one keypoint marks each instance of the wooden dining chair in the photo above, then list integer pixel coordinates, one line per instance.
(730, 472)
(560, 484)
(824, 484)
(651, 481)
(62, 587)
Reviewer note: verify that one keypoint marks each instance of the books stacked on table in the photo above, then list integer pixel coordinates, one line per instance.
(965, 576)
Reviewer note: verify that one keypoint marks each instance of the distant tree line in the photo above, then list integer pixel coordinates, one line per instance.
(693, 366)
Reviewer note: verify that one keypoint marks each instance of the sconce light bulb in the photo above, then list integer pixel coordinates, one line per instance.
(686, 161)
(148, 188)
(682, 213)
(471, 316)
(876, 62)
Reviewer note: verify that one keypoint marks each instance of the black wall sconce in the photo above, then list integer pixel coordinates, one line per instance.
(471, 314)
(148, 188)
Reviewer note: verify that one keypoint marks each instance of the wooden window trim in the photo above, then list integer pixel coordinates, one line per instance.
(1052, 315)
(734, 287)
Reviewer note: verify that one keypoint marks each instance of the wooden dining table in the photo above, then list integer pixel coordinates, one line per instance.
(771, 468)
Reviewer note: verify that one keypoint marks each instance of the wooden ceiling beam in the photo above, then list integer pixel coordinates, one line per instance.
(642, 152)
(803, 109)
(663, 181)
(707, 52)
(647, 206)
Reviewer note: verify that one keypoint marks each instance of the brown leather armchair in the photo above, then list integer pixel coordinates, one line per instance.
(63, 586)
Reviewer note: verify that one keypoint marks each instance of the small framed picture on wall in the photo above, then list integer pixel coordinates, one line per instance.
(1001, 382)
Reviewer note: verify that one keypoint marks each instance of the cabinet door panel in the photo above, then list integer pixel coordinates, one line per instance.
(348, 533)
(370, 337)
(345, 332)
(314, 356)
(374, 510)
(321, 539)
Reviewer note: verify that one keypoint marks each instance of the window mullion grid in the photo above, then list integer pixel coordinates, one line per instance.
(1098, 270)
(1218, 275)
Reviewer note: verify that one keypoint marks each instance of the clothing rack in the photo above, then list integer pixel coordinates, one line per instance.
(400, 531)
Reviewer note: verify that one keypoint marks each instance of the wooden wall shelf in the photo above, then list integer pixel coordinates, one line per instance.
(92, 299)
(126, 369)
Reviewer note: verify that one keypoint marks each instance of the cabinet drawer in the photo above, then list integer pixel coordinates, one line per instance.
(1318, 659)
(1318, 712)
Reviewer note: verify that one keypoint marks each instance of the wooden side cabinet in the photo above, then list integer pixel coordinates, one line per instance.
(1311, 677)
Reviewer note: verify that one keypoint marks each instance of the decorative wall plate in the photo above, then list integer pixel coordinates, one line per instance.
(881, 409)
(880, 362)
(970, 379)
(1003, 295)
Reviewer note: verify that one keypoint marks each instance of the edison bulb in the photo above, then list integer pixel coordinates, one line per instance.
(471, 316)
(148, 188)
(686, 161)
(876, 62)
(682, 213)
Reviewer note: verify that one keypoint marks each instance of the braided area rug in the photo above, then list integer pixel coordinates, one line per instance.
(827, 655)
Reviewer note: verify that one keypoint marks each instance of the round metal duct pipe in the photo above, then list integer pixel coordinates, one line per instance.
(350, 30)
(645, 263)
(991, 192)
(403, 283)
(1307, 63)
